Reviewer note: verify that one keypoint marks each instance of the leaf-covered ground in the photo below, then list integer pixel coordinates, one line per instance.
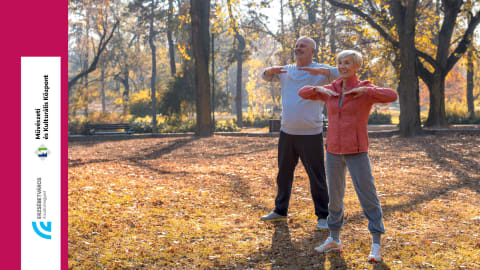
(195, 203)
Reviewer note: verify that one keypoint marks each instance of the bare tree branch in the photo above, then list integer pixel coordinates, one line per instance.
(367, 18)
(380, 29)
(464, 43)
(101, 47)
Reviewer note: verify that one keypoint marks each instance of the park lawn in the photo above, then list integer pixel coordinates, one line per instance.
(195, 203)
(396, 116)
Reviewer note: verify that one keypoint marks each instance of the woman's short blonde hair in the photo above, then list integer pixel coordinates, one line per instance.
(356, 55)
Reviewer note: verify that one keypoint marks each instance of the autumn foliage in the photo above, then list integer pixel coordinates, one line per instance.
(195, 203)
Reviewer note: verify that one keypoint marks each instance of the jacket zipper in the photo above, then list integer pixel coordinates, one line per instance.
(340, 113)
(358, 143)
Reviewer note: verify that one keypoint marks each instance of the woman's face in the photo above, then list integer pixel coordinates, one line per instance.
(346, 67)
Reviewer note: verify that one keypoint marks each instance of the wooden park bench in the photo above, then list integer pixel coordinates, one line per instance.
(274, 125)
(100, 129)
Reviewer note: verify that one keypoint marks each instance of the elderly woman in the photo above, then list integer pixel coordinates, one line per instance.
(348, 102)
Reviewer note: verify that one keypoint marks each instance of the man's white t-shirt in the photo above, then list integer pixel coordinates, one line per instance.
(301, 116)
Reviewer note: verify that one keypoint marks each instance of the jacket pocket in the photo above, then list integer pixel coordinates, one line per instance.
(349, 141)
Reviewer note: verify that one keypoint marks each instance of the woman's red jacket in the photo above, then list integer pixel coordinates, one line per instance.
(347, 124)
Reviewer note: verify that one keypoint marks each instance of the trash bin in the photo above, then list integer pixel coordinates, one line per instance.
(274, 125)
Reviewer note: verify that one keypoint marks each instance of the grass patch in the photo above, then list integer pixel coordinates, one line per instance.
(195, 203)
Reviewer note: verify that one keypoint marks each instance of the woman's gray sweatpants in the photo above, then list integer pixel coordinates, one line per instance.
(359, 167)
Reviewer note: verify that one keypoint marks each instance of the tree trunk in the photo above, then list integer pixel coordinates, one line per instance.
(436, 113)
(85, 92)
(213, 81)
(408, 85)
(296, 29)
(102, 88)
(470, 99)
(126, 91)
(322, 28)
(171, 44)
(171, 53)
(227, 90)
(333, 46)
(316, 32)
(238, 54)
(154, 69)
(200, 14)
(85, 78)
(238, 97)
(283, 55)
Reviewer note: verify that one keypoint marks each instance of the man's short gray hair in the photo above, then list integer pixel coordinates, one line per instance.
(356, 55)
(314, 45)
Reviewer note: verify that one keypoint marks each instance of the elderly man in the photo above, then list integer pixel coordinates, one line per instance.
(301, 130)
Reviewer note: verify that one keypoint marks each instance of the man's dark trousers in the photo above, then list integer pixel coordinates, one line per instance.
(310, 150)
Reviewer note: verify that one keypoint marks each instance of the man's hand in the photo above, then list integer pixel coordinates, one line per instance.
(356, 91)
(316, 71)
(274, 70)
(325, 91)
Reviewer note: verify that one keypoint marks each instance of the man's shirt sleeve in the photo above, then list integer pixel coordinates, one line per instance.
(273, 78)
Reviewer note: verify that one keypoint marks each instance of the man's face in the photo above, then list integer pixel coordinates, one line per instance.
(304, 50)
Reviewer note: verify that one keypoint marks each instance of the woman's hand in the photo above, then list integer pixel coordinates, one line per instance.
(316, 71)
(325, 91)
(312, 92)
(357, 91)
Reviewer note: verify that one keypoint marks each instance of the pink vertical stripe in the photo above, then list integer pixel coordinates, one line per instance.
(27, 28)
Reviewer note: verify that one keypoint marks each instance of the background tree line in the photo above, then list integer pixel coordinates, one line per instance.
(142, 60)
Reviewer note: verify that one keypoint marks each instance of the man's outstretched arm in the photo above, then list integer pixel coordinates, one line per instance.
(269, 74)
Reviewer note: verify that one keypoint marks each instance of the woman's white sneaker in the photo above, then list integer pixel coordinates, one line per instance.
(375, 254)
(329, 245)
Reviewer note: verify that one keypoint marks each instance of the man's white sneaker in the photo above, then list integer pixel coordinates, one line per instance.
(274, 217)
(375, 254)
(322, 224)
(329, 245)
